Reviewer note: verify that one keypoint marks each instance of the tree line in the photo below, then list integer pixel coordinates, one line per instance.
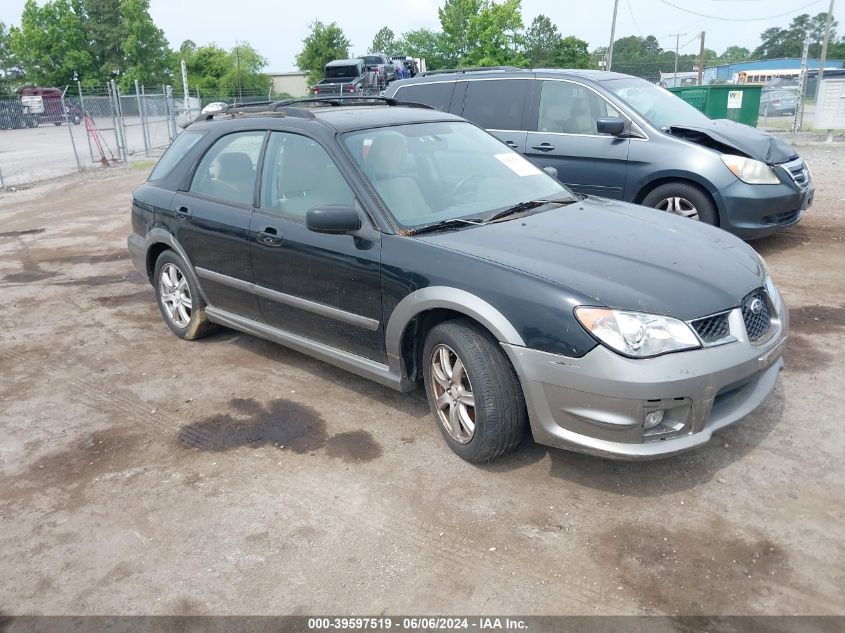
(94, 41)
(60, 42)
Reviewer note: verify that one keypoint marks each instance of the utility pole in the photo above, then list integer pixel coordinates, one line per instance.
(823, 56)
(238, 57)
(677, 37)
(612, 35)
(701, 61)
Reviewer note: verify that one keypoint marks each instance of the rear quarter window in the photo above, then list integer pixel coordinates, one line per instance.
(437, 95)
(175, 153)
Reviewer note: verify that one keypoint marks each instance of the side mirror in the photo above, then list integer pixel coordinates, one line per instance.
(612, 125)
(336, 219)
(551, 171)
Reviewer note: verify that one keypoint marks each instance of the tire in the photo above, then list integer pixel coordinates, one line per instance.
(180, 284)
(488, 380)
(77, 119)
(683, 199)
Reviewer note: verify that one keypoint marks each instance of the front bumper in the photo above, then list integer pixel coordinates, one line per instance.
(597, 404)
(755, 211)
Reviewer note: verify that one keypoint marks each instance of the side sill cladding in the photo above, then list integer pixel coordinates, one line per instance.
(450, 298)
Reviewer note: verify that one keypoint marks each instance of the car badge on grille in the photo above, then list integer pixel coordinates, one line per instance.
(756, 305)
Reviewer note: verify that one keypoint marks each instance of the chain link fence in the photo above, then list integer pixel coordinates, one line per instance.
(44, 137)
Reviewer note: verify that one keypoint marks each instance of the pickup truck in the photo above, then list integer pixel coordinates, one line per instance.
(346, 77)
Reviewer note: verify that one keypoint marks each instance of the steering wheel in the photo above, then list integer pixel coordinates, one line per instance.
(462, 183)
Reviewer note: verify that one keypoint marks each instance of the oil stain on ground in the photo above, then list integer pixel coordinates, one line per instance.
(355, 446)
(72, 468)
(699, 571)
(817, 319)
(802, 354)
(280, 423)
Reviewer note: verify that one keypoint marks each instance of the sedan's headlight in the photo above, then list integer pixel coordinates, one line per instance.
(753, 172)
(635, 333)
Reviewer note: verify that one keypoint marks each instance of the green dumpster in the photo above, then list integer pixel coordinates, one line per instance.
(740, 103)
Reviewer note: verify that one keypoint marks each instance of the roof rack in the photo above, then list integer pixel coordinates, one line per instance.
(476, 69)
(353, 100)
(288, 106)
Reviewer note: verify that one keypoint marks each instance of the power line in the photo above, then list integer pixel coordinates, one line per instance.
(631, 11)
(719, 17)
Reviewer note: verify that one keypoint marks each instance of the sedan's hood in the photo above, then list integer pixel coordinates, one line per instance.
(620, 255)
(732, 137)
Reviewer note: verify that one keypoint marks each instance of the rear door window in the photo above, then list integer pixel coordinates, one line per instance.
(497, 104)
(437, 95)
(227, 171)
(176, 152)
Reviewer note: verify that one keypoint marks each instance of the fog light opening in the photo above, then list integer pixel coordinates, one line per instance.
(653, 418)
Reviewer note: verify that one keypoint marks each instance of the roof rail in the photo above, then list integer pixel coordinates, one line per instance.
(288, 106)
(352, 100)
(476, 69)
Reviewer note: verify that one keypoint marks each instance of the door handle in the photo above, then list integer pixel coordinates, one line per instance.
(511, 144)
(183, 213)
(543, 147)
(270, 236)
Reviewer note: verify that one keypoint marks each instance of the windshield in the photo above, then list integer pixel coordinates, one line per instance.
(429, 172)
(341, 72)
(657, 105)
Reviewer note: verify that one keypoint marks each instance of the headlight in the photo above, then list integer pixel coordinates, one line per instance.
(635, 333)
(754, 172)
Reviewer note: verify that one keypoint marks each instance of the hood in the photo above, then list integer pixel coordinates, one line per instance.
(731, 137)
(621, 255)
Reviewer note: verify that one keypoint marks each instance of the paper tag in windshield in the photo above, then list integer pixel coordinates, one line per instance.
(517, 164)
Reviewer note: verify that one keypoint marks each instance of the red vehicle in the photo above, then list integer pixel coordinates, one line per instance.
(48, 105)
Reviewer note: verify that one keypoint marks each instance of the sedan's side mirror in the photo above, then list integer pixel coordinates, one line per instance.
(551, 171)
(336, 219)
(612, 125)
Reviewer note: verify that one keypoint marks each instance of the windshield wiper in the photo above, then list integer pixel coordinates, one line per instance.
(527, 206)
(446, 224)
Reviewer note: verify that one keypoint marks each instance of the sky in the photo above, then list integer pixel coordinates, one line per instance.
(277, 29)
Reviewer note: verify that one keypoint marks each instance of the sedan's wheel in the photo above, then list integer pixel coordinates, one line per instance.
(683, 199)
(678, 206)
(473, 391)
(179, 299)
(453, 394)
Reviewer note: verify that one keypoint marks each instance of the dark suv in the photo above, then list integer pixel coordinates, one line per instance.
(621, 137)
(409, 246)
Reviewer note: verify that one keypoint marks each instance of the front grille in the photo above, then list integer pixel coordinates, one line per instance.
(713, 328)
(799, 173)
(756, 315)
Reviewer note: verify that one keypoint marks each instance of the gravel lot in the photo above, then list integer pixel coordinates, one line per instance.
(143, 474)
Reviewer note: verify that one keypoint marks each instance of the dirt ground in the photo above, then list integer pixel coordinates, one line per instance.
(143, 474)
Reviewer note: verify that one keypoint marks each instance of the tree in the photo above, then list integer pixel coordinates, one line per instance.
(144, 50)
(10, 71)
(384, 42)
(52, 42)
(573, 52)
(789, 42)
(324, 43)
(735, 54)
(542, 41)
(102, 22)
(428, 44)
(215, 71)
(482, 32)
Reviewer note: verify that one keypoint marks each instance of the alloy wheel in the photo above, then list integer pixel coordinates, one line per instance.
(678, 206)
(175, 295)
(453, 397)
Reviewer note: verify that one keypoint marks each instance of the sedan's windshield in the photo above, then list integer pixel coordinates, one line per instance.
(430, 172)
(659, 106)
